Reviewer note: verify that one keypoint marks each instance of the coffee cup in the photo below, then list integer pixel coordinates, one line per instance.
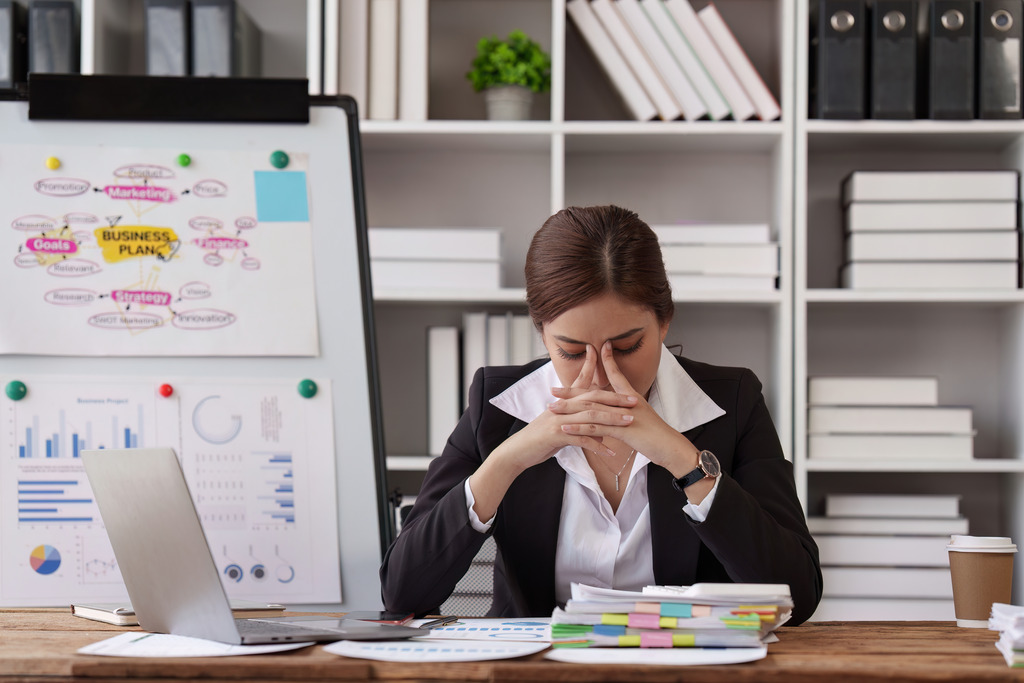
(981, 568)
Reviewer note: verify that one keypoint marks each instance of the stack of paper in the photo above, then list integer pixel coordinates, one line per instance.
(1009, 621)
(702, 615)
(718, 256)
(445, 258)
(931, 229)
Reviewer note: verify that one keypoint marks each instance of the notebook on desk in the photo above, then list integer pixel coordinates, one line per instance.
(168, 570)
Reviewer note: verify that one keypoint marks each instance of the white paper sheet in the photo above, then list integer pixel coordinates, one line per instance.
(121, 251)
(255, 453)
(675, 656)
(433, 650)
(136, 644)
(524, 630)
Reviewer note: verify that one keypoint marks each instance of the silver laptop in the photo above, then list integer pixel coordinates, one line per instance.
(170, 574)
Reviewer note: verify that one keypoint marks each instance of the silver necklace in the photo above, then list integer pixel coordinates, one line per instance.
(621, 470)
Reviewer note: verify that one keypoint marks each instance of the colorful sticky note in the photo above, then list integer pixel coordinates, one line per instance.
(281, 196)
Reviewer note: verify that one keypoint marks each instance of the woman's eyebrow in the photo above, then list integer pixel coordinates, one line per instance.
(570, 340)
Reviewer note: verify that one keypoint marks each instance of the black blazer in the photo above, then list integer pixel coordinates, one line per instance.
(755, 530)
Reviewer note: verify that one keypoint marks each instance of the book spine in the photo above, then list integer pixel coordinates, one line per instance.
(413, 59)
(383, 60)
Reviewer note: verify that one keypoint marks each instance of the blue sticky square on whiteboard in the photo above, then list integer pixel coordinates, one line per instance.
(281, 196)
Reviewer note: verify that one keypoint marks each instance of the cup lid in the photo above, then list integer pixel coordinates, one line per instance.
(981, 544)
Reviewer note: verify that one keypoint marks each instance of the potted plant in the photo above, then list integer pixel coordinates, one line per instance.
(509, 71)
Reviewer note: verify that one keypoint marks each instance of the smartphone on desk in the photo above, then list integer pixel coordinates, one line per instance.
(395, 618)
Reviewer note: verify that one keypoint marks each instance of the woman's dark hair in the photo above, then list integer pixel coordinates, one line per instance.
(583, 252)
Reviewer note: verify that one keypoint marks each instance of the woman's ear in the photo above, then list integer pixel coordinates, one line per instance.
(664, 332)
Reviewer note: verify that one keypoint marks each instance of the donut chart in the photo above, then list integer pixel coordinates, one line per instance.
(45, 559)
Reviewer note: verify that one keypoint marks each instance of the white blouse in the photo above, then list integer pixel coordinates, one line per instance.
(595, 545)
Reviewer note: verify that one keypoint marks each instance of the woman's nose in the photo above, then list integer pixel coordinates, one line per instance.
(600, 376)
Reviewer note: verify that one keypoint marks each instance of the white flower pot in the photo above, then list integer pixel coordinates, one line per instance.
(508, 103)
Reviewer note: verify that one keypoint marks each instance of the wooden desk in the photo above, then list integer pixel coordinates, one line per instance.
(38, 646)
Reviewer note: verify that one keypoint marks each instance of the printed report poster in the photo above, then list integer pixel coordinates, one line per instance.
(258, 458)
(144, 252)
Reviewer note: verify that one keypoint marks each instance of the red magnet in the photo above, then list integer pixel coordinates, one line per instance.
(166, 390)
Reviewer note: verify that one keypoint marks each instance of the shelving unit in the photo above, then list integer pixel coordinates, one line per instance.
(970, 340)
(457, 169)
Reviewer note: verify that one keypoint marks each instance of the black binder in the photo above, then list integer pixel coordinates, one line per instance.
(951, 59)
(225, 40)
(894, 59)
(13, 43)
(168, 38)
(841, 59)
(999, 59)
(53, 37)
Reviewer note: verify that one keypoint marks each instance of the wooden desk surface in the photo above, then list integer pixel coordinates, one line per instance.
(37, 646)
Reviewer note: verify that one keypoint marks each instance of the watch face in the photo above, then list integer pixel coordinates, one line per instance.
(709, 463)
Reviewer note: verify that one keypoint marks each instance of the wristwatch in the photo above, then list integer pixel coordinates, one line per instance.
(707, 466)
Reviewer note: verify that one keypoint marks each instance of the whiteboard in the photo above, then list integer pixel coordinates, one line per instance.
(336, 344)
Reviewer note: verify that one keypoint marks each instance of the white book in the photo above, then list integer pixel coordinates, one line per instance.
(932, 215)
(891, 447)
(887, 582)
(464, 275)
(383, 65)
(444, 390)
(413, 59)
(884, 609)
(678, 83)
(933, 246)
(930, 275)
(353, 52)
(882, 551)
(450, 244)
(314, 47)
(887, 526)
(497, 340)
(521, 335)
(686, 58)
(700, 40)
(764, 102)
(692, 282)
(889, 420)
(474, 348)
(608, 14)
(712, 233)
(917, 506)
(878, 391)
(608, 56)
(943, 186)
(332, 46)
(722, 259)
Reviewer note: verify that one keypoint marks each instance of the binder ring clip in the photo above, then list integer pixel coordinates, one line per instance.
(1002, 20)
(894, 21)
(952, 20)
(842, 21)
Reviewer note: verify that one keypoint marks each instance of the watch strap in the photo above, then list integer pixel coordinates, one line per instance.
(689, 479)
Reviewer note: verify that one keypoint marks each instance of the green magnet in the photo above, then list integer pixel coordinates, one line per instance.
(16, 390)
(279, 159)
(307, 388)
(184, 160)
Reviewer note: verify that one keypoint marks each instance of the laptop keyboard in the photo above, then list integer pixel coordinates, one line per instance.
(253, 627)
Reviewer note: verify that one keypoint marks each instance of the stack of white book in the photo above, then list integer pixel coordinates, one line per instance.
(667, 61)
(931, 230)
(377, 51)
(486, 339)
(884, 556)
(442, 258)
(719, 256)
(885, 419)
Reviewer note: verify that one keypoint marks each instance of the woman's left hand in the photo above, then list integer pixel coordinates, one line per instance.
(647, 433)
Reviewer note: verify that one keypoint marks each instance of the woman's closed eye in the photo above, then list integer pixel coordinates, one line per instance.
(562, 353)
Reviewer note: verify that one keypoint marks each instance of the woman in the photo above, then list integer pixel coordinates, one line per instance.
(614, 463)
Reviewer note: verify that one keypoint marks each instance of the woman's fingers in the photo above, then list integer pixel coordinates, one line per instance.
(612, 372)
(586, 376)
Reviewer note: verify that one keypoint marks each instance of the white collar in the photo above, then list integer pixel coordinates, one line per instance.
(674, 396)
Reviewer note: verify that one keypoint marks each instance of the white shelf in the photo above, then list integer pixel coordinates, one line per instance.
(518, 296)
(909, 136)
(856, 296)
(990, 465)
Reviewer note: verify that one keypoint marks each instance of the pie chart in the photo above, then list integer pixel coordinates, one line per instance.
(45, 559)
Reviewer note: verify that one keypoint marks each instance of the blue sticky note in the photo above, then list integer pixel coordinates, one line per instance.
(281, 196)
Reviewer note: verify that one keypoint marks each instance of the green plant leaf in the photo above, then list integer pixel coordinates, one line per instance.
(517, 60)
